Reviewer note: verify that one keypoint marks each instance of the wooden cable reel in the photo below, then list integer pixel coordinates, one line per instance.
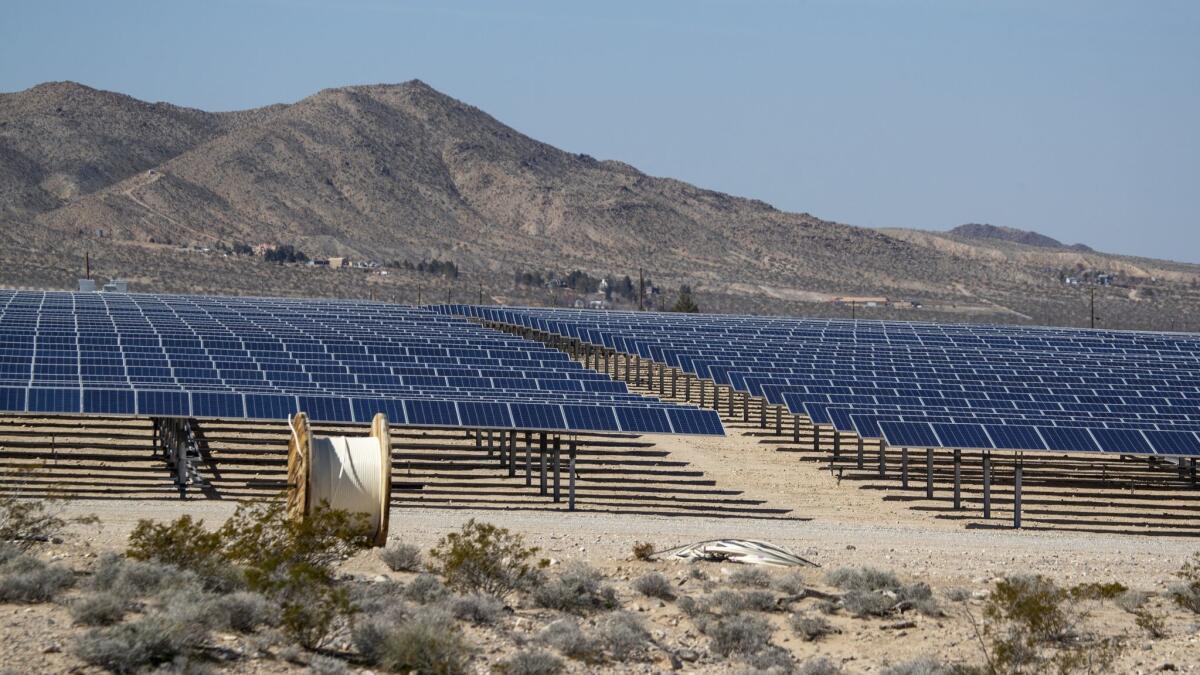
(350, 473)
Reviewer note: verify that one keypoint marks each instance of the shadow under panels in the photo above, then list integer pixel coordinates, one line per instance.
(112, 458)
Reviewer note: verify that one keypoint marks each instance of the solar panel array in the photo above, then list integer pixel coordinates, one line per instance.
(921, 384)
(338, 361)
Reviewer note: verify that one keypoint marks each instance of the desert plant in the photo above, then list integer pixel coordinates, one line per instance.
(726, 601)
(770, 660)
(568, 638)
(737, 634)
(643, 550)
(622, 634)
(791, 583)
(483, 558)
(98, 609)
(25, 522)
(925, 665)
(1131, 601)
(425, 588)
(578, 589)
(242, 611)
(478, 608)
(750, 576)
(868, 603)
(428, 642)
(918, 596)
(530, 662)
(402, 557)
(862, 579)
(184, 543)
(818, 665)
(957, 594)
(1186, 594)
(1033, 628)
(131, 647)
(134, 579)
(320, 664)
(1097, 591)
(1150, 622)
(811, 628)
(24, 578)
(654, 585)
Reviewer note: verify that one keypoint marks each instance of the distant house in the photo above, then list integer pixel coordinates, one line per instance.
(864, 300)
(337, 263)
(263, 249)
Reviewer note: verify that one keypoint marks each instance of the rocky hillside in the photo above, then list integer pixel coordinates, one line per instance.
(1012, 234)
(405, 173)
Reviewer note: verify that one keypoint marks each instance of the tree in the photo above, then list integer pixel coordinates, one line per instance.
(685, 303)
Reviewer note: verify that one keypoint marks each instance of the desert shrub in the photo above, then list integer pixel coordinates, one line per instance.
(186, 544)
(622, 634)
(925, 665)
(770, 660)
(131, 647)
(1033, 629)
(957, 594)
(689, 606)
(483, 558)
(750, 576)
(643, 550)
(791, 583)
(425, 588)
(25, 522)
(98, 609)
(1186, 593)
(371, 597)
(428, 642)
(327, 665)
(726, 601)
(578, 589)
(183, 665)
(868, 603)
(1097, 591)
(530, 662)
(696, 572)
(1131, 601)
(737, 634)
(402, 557)
(568, 638)
(918, 596)
(242, 612)
(291, 561)
(1152, 623)
(479, 609)
(654, 585)
(24, 578)
(818, 666)
(811, 628)
(827, 606)
(134, 579)
(862, 579)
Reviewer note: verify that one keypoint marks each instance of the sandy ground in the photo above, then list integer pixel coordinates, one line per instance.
(831, 523)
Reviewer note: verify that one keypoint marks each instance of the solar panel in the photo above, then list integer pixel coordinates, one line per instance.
(909, 434)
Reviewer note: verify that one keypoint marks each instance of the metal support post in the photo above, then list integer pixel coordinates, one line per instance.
(904, 468)
(512, 451)
(796, 429)
(1017, 495)
(882, 458)
(778, 420)
(674, 382)
(528, 459)
(929, 473)
(557, 469)
(987, 485)
(542, 458)
(571, 477)
(762, 413)
(730, 399)
(746, 406)
(957, 480)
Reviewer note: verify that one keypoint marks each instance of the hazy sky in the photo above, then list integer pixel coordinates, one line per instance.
(1077, 119)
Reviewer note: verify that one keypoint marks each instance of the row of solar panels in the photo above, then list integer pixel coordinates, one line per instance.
(247, 358)
(473, 414)
(1136, 398)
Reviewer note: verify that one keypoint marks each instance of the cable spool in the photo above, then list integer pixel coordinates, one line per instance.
(348, 473)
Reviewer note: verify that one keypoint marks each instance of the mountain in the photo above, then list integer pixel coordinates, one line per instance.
(404, 173)
(1012, 234)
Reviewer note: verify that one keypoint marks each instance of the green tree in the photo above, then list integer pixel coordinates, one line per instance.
(685, 303)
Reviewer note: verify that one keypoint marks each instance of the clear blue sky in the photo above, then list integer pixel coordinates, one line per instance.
(1079, 119)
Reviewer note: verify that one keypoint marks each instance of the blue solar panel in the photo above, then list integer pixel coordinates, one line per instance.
(54, 400)
(218, 404)
(909, 434)
(365, 410)
(1014, 437)
(431, 413)
(643, 420)
(164, 403)
(685, 421)
(108, 402)
(1122, 440)
(1173, 442)
(326, 409)
(596, 418)
(12, 399)
(1068, 439)
(484, 415)
(537, 416)
(270, 406)
(962, 436)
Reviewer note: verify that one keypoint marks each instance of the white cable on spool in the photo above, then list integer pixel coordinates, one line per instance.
(347, 473)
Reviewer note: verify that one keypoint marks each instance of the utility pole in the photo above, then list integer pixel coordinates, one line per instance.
(418, 294)
(853, 313)
(87, 265)
(1092, 302)
(481, 292)
(641, 290)
(448, 296)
